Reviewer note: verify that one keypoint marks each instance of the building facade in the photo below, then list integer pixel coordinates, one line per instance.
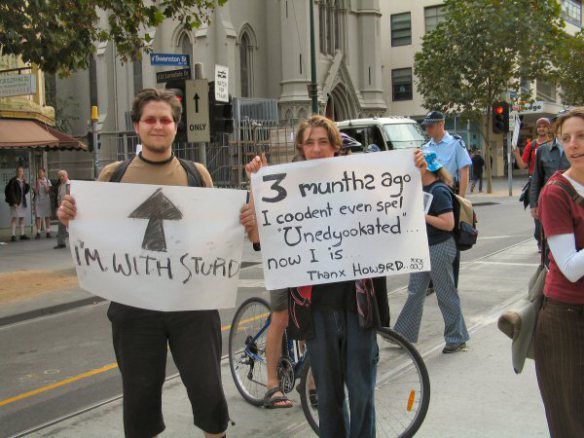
(266, 45)
(404, 24)
(365, 62)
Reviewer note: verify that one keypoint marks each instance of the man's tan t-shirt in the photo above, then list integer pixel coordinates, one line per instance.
(169, 173)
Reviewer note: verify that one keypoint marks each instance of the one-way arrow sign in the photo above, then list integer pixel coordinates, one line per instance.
(196, 102)
(156, 209)
(197, 99)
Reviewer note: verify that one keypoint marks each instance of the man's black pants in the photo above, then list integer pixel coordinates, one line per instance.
(141, 339)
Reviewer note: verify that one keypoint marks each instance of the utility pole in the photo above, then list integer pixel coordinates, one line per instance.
(313, 87)
(96, 146)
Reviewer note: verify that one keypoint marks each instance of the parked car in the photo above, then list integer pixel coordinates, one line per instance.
(386, 132)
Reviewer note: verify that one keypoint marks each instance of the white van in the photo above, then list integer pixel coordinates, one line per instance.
(386, 132)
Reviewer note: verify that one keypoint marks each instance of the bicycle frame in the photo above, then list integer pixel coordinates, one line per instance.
(251, 354)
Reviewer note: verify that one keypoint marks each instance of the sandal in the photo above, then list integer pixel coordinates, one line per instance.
(271, 402)
(313, 397)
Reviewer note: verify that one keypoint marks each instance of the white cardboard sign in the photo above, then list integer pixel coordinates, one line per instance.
(343, 218)
(158, 247)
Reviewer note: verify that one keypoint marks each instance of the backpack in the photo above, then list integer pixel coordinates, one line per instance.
(193, 175)
(465, 221)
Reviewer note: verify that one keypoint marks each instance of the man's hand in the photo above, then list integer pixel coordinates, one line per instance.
(420, 160)
(535, 213)
(255, 165)
(68, 210)
(247, 218)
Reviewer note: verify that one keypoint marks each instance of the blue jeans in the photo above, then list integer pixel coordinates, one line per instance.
(342, 353)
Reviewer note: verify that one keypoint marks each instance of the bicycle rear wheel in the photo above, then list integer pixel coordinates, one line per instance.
(402, 389)
(247, 349)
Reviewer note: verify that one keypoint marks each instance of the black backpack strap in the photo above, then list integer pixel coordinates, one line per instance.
(570, 190)
(121, 170)
(193, 175)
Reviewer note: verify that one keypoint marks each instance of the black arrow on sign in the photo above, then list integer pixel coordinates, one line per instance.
(197, 102)
(156, 209)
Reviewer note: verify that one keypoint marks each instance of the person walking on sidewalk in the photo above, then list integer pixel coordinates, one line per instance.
(478, 163)
(141, 337)
(42, 204)
(451, 153)
(439, 224)
(528, 160)
(15, 194)
(549, 158)
(559, 333)
(62, 191)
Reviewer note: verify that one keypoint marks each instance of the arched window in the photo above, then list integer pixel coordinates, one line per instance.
(330, 26)
(185, 46)
(246, 49)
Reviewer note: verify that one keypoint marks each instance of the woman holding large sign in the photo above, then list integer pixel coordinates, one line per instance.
(337, 319)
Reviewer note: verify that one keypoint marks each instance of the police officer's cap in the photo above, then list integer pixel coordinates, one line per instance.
(433, 117)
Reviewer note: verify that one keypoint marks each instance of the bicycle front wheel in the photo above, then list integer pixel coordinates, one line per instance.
(247, 349)
(402, 389)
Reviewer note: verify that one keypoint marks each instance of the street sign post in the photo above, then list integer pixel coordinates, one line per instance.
(197, 98)
(516, 128)
(172, 75)
(221, 83)
(17, 85)
(173, 59)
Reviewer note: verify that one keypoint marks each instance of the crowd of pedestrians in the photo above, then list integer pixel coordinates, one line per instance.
(46, 197)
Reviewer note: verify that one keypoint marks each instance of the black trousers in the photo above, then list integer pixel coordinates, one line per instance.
(141, 339)
(559, 363)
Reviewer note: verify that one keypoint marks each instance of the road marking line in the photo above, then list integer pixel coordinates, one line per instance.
(58, 384)
(485, 262)
(97, 371)
(495, 237)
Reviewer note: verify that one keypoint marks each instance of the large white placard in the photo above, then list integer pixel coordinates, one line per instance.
(158, 247)
(343, 218)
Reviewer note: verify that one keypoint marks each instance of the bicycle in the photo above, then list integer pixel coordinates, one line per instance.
(247, 353)
(402, 391)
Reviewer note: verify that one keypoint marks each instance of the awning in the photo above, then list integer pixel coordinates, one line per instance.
(32, 134)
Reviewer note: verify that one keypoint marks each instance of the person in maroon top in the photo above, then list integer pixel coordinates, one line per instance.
(559, 334)
(542, 127)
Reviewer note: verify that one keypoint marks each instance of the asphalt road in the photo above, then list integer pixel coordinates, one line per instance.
(76, 344)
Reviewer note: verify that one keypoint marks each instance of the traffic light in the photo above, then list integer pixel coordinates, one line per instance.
(500, 116)
(178, 87)
(220, 115)
(223, 119)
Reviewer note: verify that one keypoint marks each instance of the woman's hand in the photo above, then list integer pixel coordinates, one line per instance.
(420, 160)
(255, 165)
(247, 218)
(67, 211)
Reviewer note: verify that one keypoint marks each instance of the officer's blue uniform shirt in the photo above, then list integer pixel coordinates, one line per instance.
(451, 153)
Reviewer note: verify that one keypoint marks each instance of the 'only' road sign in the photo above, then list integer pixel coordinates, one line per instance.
(197, 96)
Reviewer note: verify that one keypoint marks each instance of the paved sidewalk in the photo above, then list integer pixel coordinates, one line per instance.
(474, 393)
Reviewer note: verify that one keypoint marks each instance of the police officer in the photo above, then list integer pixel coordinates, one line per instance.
(452, 154)
(450, 150)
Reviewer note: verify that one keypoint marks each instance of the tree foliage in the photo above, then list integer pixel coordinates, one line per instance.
(571, 69)
(59, 35)
(481, 50)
